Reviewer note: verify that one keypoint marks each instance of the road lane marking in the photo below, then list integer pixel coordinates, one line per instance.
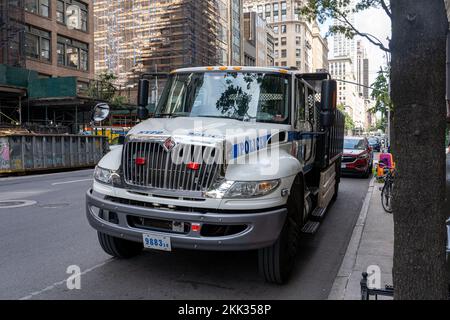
(59, 283)
(73, 181)
(12, 204)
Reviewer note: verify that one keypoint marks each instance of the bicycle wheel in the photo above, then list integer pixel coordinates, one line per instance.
(386, 196)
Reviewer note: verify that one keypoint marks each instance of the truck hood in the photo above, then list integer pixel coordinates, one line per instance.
(241, 137)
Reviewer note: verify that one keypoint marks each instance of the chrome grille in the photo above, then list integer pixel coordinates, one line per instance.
(160, 171)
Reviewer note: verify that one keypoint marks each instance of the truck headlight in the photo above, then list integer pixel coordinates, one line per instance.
(242, 189)
(106, 176)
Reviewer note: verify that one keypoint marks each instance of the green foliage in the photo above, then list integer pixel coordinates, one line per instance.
(349, 124)
(380, 94)
(339, 10)
(104, 89)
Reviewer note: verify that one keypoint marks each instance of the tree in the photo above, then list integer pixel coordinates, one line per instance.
(418, 45)
(104, 89)
(349, 124)
(418, 72)
(380, 94)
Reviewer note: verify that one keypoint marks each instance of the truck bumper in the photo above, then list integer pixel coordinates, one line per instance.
(259, 229)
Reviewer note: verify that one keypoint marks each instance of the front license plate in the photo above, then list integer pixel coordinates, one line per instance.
(157, 242)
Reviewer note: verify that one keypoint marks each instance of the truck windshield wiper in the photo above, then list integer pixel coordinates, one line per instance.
(171, 115)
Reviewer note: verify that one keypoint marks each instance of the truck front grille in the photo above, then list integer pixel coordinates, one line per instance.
(157, 170)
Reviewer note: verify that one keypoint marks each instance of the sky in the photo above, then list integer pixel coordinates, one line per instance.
(373, 21)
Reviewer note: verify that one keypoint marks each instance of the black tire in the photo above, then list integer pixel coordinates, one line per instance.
(119, 248)
(386, 197)
(277, 261)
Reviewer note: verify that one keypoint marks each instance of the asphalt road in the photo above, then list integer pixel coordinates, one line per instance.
(40, 241)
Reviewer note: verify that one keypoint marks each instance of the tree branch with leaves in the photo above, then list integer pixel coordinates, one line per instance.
(340, 11)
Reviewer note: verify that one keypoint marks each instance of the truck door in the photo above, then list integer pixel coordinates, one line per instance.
(304, 115)
(311, 121)
(301, 125)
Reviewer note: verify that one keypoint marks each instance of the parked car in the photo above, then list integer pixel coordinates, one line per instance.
(357, 158)
(375, 143)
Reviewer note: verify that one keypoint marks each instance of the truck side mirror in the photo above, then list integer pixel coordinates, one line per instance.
(328, 103)
(143, 90)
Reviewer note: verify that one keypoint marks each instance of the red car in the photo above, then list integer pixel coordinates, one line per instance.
(357, 157)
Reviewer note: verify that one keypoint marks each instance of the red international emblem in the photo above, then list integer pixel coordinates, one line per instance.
(169, 144)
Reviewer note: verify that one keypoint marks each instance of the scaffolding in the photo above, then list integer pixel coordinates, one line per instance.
(136, 36)
(12, 26)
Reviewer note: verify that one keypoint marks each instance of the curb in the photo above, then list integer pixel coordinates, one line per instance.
(339, 288)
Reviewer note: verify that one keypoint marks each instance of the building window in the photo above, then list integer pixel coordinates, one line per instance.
(73, 53)
(275, 29)
(268, 10)
(283, 11)
(276, 12)
(37, 43)
(78, 17)
(284, 53)
(298, 41)
(283, 41)
(41, 7)
(283, 28)
(297, 28)
(283, 63)
(298, 53)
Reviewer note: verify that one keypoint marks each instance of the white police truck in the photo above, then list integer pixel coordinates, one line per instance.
(233, 158)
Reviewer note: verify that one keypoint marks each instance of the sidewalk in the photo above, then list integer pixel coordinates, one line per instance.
(372, 244)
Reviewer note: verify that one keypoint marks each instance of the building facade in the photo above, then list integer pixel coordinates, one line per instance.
(46, 64)
(362, 70)
(56, 38)
(258, 36)
(348, 95)
(293, 33)
(320, 50)
(351, 63)
(135, 36)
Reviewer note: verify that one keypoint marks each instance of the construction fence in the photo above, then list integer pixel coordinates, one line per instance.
(24, 153)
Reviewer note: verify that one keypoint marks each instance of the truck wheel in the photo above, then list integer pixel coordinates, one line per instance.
(277, 261)
(119, 248)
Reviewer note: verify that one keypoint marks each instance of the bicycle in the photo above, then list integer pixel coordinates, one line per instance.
(387, 191)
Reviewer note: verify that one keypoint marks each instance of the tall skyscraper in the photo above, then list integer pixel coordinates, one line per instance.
(135, 36)
(293, 33)
(350, 63)
(362, 70)
(343, 46)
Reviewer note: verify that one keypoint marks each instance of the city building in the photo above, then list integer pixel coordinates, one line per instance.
(60, 33)
(320, 50)
(362, 75)
(293, 33)
(348, 95)
(258, 37)
(350, 63)
(135, 36)
(47, 58)
(343, 46)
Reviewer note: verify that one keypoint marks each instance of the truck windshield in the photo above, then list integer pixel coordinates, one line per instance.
(261, 97)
